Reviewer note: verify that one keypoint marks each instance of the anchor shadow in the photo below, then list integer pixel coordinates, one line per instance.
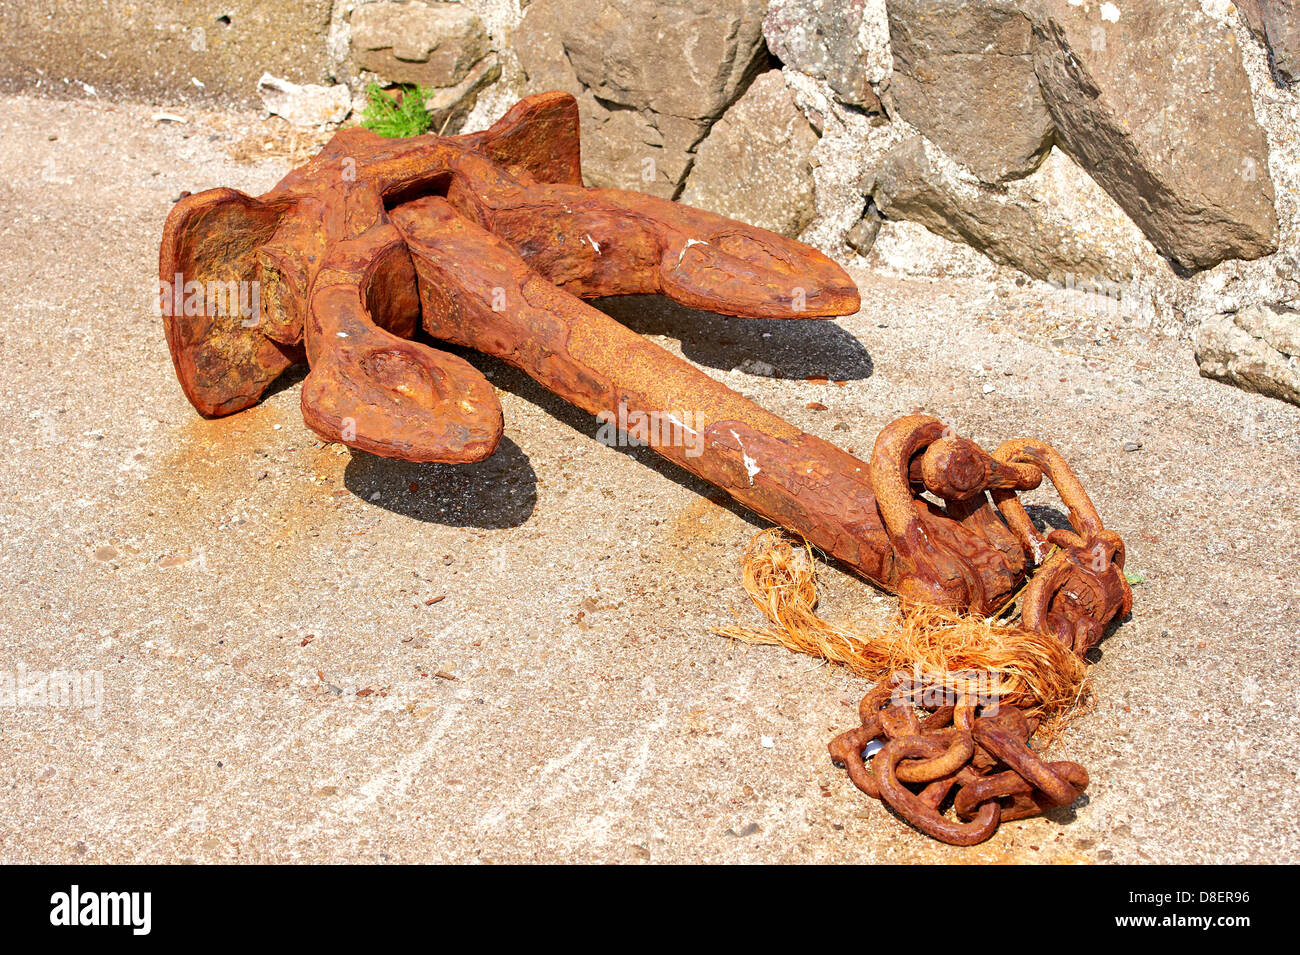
(795, 348)
(501, 491)
(497, 493)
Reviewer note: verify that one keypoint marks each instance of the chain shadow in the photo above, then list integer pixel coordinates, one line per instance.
(1047, 517)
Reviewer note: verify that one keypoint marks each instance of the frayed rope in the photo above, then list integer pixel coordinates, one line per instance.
(1031, 670)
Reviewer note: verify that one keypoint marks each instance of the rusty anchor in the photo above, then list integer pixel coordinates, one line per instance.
(489, 240)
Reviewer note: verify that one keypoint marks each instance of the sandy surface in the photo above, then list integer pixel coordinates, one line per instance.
(276, 688)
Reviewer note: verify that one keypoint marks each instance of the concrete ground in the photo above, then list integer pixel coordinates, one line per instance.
(276, 686)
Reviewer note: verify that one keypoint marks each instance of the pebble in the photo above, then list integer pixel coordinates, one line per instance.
(753, 366)
(1132, 445)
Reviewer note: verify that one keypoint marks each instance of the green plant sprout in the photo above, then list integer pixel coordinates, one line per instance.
(396, 117)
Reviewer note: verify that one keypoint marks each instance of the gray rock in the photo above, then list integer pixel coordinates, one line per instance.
(753, 165)
(1152, 100)
(1257, 349)
(650, 78)
(308, 105)
(1277, 24)
(450, 106)
(910, 184)
(823, 38)
(621, 148)
(862, 237)
(435, 45)
(964, 76)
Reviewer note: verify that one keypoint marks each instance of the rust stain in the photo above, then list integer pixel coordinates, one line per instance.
(704, 520)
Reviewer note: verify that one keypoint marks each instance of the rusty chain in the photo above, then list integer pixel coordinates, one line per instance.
(972, 757)
(962, 555)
